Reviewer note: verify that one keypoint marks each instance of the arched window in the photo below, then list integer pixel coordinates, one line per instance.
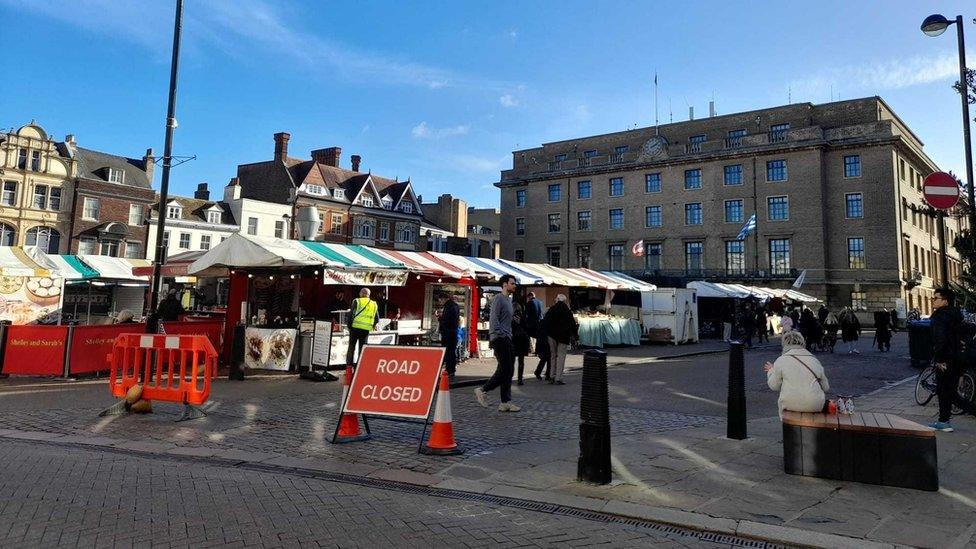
(6, 235)
(45, 238)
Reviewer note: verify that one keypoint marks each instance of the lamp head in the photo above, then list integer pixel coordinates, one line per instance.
(935, 25)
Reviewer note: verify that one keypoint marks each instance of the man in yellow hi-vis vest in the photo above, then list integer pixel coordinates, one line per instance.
(363, 316)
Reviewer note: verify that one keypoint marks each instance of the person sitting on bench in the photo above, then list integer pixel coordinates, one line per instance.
(798, 376)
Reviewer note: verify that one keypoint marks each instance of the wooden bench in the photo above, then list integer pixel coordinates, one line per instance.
(867, 447)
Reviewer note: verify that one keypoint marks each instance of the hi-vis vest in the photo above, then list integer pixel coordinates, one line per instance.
(364, 310)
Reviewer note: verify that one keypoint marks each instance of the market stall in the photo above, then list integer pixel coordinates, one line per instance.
(31, 291)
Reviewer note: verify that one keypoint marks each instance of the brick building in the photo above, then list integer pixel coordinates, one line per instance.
(832, 187)
(354, 207)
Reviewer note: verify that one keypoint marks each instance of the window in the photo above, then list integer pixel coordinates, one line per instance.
(40, 197)
(584, 190)
(776, 170)
(583, 220)
(45, 238)
(205, 242)
(696, 142)
(586, 154)
(616, 253)
(87, 244)
(252, 225)
(519, 255)
(520, 198)
(616, 219)
(855, 252)
(779, 256)
(733, 174)
(363, 228)
(387, 203)
(554, 224)
(339, 193)
(616, 186)
(9, 197)
(560, 157)
(92, 209)
(36, 161)
(133, 250)
(404, 232)
(174, 212)
(693, 257)
(315, 189)
(737, 133)
(184, 241)
(652, 257)
(693, 213)
(621, 149)
(54, 203)
(385, 232)
(554, 192)
(652, 216)
(6, 235)
(22, 159)
(583, 257)
(777, 132)
(733, 211)
(116, 176)
(336, 227)
(136, 214)
(735, 257)
(213, 217)
(855, 205)
(519, 226)
(652, 183)
(693, 179)
(852, 166)
(109, 248)
(779, 208)
(859, 301)
(279, 228)
(553, 256)
(366, 201)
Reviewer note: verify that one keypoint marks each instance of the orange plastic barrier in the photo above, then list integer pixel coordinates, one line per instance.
(169, 367)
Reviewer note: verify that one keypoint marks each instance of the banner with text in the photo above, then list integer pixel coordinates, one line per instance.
(35, 350)
(395, 381)
(365, 277)
(90, 345)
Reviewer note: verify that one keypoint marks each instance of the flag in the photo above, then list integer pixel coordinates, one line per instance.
(747, 228)
(638, 248)
(799, 280)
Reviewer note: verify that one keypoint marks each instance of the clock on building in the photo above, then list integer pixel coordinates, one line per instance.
(655, 148)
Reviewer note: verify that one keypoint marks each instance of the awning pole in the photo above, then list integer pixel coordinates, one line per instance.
(89, 303)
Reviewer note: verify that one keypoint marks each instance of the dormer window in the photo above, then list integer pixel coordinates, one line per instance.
(116, 176)
(387, 203)
(213, 217)
(406, 207)
(339, 193)
(366, 200)
(174, 212)
(316, 189)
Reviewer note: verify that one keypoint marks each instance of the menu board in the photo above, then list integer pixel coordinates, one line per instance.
(268, 349)
(340, 344)
(432, 310)
(322, 343)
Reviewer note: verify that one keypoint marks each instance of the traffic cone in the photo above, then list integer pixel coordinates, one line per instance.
(348, 423)
(441, 441)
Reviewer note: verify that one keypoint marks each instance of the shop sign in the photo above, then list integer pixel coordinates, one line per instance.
(365, 277)
(35, 350)
(90, 345)
(395, 381)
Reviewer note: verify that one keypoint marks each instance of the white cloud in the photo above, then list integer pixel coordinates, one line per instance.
(423, 131)
(513, 34)
(508, 100)
(473, 163)
(582, 112)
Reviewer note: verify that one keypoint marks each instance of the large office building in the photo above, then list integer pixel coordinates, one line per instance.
(834, 188)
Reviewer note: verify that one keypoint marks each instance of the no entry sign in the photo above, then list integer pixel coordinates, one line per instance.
(941, 190)
(395, 381)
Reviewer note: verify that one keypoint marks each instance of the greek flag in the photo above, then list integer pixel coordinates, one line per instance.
(747, 228)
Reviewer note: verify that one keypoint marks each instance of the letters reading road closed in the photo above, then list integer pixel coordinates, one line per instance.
(395, 381)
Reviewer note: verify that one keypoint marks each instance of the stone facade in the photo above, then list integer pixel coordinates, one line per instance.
(830, 186)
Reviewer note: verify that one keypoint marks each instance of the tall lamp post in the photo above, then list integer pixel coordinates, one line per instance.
(934, 25)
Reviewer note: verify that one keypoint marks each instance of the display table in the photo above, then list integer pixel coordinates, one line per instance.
(600, 331)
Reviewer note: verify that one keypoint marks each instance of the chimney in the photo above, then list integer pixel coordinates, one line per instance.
(281, 146)
(70, 139)
(356, 159)
(711, 108)
(148, 162)
(329, 156)
(691, 113)
(233, 190)
(203, 193)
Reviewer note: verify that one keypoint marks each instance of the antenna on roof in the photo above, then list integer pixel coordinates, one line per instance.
(670, 111)
(789, 95)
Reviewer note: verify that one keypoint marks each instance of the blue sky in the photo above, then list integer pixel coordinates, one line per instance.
(443, 92)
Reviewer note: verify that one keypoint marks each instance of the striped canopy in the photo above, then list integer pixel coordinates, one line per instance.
(115, 268)
(424, 262)
(71, 268)
(347, 255)
(14, 261)
(629, 282)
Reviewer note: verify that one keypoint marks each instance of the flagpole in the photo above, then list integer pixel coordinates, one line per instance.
(655, 104)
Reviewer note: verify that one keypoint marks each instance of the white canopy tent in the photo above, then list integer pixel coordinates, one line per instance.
(740, 291)
(246, 251)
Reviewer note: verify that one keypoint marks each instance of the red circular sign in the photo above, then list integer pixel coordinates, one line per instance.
(941, 190)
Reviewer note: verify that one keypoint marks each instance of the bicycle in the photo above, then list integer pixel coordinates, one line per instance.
(925, 386)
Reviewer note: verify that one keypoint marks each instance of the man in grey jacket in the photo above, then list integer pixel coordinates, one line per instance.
(500, 335)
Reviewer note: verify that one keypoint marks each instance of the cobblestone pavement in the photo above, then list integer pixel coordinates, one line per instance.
(58, 496)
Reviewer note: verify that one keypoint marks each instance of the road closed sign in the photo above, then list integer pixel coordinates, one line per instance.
(395, 381)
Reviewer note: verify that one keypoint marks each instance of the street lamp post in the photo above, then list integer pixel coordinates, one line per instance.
(934, 25)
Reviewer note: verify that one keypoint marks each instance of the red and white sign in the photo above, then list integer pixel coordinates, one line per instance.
(395, 381)
(91, 344)
(941, 190)
(35, 350)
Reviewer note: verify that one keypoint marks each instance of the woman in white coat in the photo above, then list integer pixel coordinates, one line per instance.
(798, 376)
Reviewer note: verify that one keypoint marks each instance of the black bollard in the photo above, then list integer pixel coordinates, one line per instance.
(237, 354)
(4, 325)
(594, 460)
(737, 393)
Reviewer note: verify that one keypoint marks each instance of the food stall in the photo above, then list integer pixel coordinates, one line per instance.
(31, 290)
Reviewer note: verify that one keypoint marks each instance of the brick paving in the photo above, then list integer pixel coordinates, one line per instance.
(60, 496)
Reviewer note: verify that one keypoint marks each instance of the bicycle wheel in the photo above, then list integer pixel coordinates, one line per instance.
(925, 386)
(966, 390)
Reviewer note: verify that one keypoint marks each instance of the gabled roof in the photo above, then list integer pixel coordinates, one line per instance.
(195, 209)
(93, 165)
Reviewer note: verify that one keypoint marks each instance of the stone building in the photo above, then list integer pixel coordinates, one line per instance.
(355, 207)
(832, 187)
(472, 231)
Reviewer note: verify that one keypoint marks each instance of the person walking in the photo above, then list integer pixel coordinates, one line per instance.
(543, 351)
(447, 326)
(748, 323)
(500, 338)
(562, 328)
(894, 320)
(882, 330)
(170, 308)
(520, 340)
(850, 330)
(810, 328)
(948, 357)
(822, 313)
(786, 323)
(363, 317)
(533, 317)
(762, 325)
